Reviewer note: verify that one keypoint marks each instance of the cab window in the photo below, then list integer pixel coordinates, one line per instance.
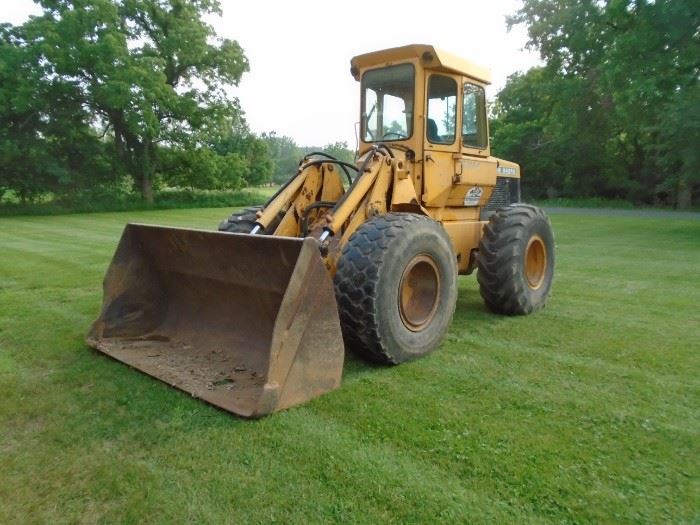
(387, 103)
(442, 110)
(474, 117)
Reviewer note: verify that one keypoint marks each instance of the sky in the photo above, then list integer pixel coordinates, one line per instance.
(299, 84)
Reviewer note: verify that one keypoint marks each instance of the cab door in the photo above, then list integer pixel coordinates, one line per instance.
(475, 170)
(441, 137)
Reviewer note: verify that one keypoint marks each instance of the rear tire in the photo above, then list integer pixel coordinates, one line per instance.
(396, 286)
(244, 221)
(516, 260)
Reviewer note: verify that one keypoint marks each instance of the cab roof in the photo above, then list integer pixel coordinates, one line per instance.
(430, 56)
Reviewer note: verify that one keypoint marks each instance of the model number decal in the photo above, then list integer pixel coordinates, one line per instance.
(473, 196)
(506, 171)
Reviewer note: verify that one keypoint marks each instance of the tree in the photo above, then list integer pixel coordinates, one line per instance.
(46, 142)
(238, 140)
(519, 126)
(21, 121)
(339, 150)
(285, 155)
(149, 72)
(622, 76)
(202, 168)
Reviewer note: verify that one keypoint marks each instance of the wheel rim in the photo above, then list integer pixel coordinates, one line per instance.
(535, 262)
(418, 293)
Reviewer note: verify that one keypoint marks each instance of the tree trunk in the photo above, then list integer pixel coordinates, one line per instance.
(684, 197)
(145, 167)
(136, 154)
(147, 188)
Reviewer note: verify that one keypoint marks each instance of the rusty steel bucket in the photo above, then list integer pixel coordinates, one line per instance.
(248, 323)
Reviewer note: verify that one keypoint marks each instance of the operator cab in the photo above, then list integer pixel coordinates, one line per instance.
(429, 107)
(423, 98)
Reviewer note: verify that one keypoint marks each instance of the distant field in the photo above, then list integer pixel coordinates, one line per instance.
(587, 412)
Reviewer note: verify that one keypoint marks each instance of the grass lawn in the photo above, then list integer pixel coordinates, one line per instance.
(586, 412)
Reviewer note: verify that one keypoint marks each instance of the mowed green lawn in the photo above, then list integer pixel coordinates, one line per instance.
(586, 412)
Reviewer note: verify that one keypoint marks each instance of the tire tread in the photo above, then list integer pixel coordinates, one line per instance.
(357, 278)
(499, 256)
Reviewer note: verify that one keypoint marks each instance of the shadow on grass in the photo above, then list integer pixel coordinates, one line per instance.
(112, 400)
(470, 311)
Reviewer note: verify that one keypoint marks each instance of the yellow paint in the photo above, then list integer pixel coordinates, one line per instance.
(281, 201)
(439, 61)
(352, 199)
(439, 170)
(309, 190)
(454, 213)
(376, 205)
(289, 225)
(355, 222)
(332, 183)
(465, 236)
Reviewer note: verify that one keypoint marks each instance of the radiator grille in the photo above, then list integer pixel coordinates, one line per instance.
(506, 191)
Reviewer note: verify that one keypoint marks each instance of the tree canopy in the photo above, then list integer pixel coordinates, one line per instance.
(285, 154)
(615, 110)
(101, 95)
(133, 85)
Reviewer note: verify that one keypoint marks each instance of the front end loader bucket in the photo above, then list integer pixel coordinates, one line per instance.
(248, 323)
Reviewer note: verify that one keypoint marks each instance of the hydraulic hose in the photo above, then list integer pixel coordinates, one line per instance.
(342, 164)
(305, 216)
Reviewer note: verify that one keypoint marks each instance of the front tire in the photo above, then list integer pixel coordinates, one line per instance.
(516, 260)
(396, 285)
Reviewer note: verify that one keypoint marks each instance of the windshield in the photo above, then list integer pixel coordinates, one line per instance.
(387, 103)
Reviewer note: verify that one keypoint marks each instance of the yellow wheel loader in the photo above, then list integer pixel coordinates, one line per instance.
(256, 317)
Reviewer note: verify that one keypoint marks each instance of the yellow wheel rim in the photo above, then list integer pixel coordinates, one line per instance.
(535, 262)
(419, 290)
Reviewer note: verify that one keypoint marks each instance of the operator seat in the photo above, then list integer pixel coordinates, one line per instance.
(432, 133)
